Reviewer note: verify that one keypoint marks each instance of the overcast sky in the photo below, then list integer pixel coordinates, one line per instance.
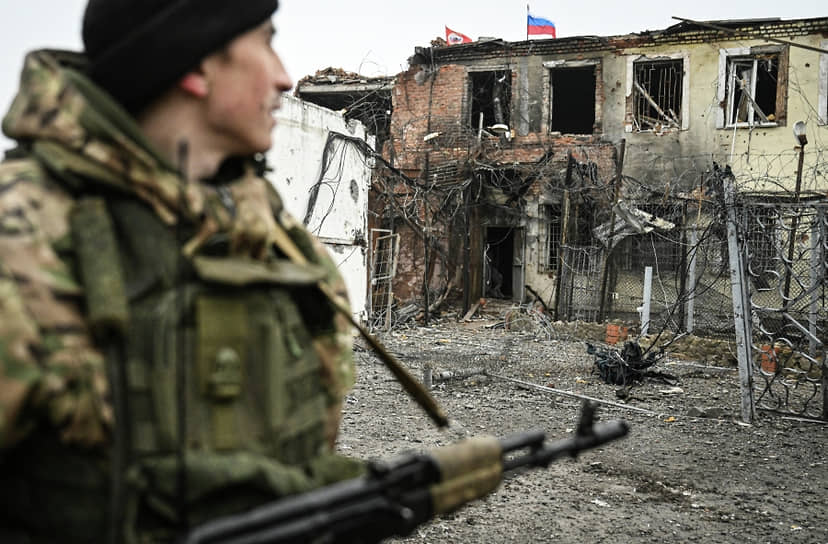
(376, 37)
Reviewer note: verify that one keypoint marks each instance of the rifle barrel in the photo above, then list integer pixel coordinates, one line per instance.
(601, 434)
(522, 440)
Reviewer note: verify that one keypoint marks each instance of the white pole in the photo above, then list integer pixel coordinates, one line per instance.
(480, 127)
(691, 284)
(645, 310)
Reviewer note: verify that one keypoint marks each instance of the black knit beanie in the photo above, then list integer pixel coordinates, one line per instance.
(138, 49)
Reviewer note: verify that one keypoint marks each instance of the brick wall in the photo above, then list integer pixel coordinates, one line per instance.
(429, 102)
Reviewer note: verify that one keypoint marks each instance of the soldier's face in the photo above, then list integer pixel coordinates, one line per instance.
(245, 82)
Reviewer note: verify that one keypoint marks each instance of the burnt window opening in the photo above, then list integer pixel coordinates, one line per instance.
(752, 88)
(573, 100)
(491, 96)
(657, 94)
(580, 233)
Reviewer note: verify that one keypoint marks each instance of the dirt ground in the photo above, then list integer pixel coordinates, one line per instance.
(691, 472)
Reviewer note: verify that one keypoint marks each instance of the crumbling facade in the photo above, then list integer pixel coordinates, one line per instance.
(503, 161)
(331, 196)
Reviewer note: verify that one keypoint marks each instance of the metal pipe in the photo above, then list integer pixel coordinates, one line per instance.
(571, 395)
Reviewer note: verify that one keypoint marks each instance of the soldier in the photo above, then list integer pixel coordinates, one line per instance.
(166, 354)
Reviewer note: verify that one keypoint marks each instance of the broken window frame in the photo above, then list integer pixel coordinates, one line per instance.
(643, 98)
(726, 90)
(748, 98)
(505, 106)
(550, 66)
(682, 117)
(823, 84)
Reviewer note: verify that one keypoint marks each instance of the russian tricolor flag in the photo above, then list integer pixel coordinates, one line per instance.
(539, 26)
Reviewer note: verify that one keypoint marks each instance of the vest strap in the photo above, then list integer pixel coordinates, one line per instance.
(93, 237)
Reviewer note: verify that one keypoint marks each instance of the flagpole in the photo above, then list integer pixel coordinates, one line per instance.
(527, 22)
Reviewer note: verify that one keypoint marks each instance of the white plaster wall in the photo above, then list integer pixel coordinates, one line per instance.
(339, 216)
(763, 153)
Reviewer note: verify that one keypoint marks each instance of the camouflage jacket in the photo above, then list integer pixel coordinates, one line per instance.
(72, 139)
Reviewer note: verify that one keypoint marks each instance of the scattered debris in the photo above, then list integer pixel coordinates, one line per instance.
(671, 391)
(711, 413)
(429, 376)
(472, 310)
(627, 366)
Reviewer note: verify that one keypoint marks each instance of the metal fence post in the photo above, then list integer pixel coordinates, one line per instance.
(741, 305)
(817, 260)
(819, 274)
(691, 284)
(645, 306)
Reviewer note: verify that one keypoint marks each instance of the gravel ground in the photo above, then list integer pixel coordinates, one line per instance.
(675, 478)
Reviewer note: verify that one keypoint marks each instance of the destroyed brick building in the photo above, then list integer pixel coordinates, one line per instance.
(499, 162)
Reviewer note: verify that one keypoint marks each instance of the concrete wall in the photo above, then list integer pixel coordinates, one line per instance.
(339, 214)
(761, 156)
(433, 139)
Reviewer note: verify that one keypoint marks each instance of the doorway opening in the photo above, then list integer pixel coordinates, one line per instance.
(498, 257)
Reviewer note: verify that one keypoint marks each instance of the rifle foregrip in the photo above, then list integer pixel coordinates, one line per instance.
(469, 470)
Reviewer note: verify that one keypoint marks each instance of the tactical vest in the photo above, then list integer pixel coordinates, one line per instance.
(221, 386)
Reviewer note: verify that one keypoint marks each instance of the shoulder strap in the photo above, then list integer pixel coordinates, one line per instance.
(93, 237)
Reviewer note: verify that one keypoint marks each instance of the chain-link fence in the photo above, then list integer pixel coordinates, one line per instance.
(690, 289)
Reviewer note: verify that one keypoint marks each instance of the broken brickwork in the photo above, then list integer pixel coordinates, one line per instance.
(469, 188)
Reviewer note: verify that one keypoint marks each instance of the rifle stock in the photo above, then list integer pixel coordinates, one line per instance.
(397, 496)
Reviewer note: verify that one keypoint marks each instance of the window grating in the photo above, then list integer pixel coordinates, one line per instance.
(657, 94)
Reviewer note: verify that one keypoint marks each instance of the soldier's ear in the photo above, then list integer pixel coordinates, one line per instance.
(195, 84)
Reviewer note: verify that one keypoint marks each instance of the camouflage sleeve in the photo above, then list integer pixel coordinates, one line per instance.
(19, 373)
(49, 369)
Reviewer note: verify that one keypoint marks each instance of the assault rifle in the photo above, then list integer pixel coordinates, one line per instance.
(397, 496)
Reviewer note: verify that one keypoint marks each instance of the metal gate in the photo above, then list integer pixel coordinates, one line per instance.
(580, 283)
(779, 279)
(384, 255)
